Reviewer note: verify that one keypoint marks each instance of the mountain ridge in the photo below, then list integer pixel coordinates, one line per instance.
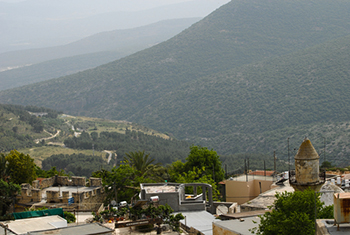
(243, 41)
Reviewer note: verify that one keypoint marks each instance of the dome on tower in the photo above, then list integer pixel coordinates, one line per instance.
(306, 151)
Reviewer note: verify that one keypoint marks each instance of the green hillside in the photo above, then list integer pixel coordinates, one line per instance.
(20, 129)
(235, 81)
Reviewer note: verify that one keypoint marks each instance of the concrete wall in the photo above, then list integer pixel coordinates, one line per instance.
(170, 198)
(242, 191)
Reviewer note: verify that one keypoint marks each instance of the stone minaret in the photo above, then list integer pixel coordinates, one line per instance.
(307, 173)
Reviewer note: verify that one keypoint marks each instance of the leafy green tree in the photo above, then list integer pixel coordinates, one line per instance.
(121, 183)
(69, 217)
(49, 173)
(21, 167)
(194, 176)
(8, 191)
(203, 158)
(326, 165)
(3, 167)
(293, 213)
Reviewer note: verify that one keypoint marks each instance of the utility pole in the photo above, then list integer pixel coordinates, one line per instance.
(288, 157)
(248, 166)
(274, 158)
(93, 151)
(245, 169)
(324, 149)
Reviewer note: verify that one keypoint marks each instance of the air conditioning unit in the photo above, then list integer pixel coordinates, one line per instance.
(154, 199)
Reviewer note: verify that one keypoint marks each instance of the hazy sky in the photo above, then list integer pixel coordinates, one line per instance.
(41, 23)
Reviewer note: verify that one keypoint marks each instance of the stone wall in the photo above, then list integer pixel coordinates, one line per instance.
(89, 200)
(48, 182)
(64, 181)
(95, 182)
(29, 194)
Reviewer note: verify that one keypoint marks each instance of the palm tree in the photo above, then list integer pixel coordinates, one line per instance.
(143, 164)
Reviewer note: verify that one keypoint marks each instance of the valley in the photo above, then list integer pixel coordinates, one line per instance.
(249, 78)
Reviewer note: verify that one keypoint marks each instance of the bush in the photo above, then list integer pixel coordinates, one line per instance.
(69, 217)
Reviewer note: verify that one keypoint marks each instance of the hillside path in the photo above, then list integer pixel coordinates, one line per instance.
(110, 155)
(48, 138)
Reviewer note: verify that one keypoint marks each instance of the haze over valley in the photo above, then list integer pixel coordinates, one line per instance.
(241, 78)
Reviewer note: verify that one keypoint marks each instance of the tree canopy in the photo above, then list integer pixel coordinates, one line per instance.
(293, 213)
(207, 160)
(21, 167)
(121, 183)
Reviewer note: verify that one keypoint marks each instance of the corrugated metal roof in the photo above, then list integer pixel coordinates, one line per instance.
(200, 220)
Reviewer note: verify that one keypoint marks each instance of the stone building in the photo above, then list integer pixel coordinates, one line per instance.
(307, 170)
(60, 191)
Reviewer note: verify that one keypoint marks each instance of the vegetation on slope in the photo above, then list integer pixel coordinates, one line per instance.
(192, 85)
(240, 32)
(18, 128)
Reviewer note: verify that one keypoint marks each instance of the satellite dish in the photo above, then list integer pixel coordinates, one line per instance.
(113, 203)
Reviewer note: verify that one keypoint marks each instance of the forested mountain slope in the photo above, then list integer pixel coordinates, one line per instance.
(193, 86)
(256, 107)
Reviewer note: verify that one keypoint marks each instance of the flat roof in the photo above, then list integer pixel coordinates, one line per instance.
(245, 214)
(160, 189)
(93, 228)
(22, 226)
(70, 189)
(261, 172)
(251, 177)
(342, 195)
(200, 220)
(332, 230)
(239, 226)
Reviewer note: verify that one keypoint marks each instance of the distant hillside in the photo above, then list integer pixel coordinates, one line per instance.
(38, 23)
(89, 53)
(35, 134)
(121, 42)
(231, 81)
(19, 129)
(255, 108)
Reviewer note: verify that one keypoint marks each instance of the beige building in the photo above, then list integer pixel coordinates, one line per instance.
(244, 188)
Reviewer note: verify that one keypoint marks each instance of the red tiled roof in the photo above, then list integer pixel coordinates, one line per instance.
(257, 172)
